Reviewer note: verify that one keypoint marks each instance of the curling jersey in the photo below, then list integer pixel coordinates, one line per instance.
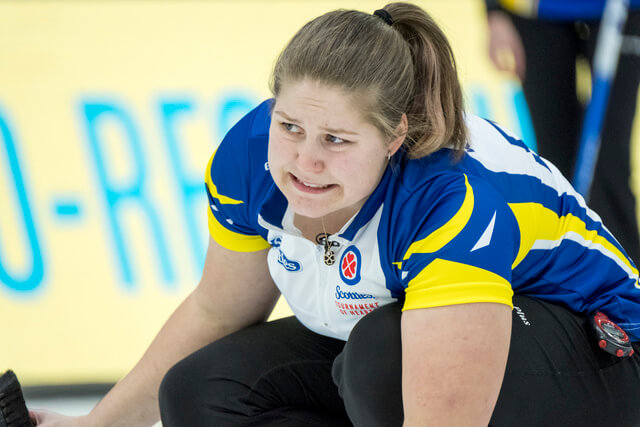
(434, 232)
(556, 10)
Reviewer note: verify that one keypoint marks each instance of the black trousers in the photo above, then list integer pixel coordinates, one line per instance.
(551, 49)
(280, 373)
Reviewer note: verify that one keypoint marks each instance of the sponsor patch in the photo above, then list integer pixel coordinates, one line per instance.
(288, 264)
(350, 265)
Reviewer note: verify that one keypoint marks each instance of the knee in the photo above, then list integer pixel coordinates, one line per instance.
(369, 370)
(374, 345)
(176, 395)
(197, 389)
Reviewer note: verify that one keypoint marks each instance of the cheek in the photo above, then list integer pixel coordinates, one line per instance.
(361, 174)
(276, 152)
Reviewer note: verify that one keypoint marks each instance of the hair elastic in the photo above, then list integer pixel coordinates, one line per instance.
(384, 15)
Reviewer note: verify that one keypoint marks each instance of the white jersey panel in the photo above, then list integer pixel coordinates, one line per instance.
(488, 148)
(329, 299)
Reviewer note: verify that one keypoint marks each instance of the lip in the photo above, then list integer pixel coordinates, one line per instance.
(297, 183)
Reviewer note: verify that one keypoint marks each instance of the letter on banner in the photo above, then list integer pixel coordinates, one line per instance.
(192, 195)
(117, 195)
(31, 279)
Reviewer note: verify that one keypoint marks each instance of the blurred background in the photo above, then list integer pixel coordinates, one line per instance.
(109, 112)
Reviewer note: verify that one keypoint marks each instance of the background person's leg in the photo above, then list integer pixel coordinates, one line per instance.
(276, 373)
(611, 193)
(549, 87)
(557, 376)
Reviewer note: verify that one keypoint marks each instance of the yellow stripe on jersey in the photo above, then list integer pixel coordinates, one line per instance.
(443, 235)
(212, 187)
(520, 7)
(445, 282)
(235, 241)
(527, 217)
(538, 223)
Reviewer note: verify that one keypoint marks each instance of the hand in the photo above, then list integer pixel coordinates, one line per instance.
(505, 46)
(52, 419)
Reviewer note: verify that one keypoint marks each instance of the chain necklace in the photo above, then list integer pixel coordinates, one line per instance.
(323, 239)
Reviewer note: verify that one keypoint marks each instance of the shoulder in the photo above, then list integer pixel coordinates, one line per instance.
(443, 194)
(454, 240)
(246, 138)
(240, 161)
(445, 206)
(237, 180)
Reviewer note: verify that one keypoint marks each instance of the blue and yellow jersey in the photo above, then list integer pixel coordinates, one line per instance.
(556, 10)
(434, 232)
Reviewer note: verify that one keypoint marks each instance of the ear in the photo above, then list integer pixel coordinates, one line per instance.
(401, 131)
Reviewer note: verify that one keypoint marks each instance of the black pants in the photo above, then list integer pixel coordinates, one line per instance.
(280, 373)
(551, 49)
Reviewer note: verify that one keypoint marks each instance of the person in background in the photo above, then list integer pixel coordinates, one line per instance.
(439, 271)
(540, 41)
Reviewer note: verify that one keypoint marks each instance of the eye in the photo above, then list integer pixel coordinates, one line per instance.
(335, 140)
(291, 128)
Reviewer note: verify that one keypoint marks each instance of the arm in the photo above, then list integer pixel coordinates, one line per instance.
(505, 46)
(220, 304)
(453, 362)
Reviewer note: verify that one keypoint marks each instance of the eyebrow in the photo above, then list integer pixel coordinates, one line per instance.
(330, 130)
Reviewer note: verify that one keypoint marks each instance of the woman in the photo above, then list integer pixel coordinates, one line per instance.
(398, 230)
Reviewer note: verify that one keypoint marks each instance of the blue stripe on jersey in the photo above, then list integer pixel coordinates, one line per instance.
(504, 239)
(274, 208)
(560, 10)
(496, 255)
(512, 187)
(514, 141)
(555, 266)
(262, 120)
(581, 289)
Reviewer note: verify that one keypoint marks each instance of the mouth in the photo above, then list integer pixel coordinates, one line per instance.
(310, 187)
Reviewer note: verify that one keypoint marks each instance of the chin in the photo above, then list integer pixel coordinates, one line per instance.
(310, 211)
(308, 206)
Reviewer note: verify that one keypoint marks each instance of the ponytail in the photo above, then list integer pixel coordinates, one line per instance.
(436, 112)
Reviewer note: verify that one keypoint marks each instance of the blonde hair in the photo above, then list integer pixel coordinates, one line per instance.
(407, 67)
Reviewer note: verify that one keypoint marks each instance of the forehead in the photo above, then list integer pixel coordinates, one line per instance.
(319, 100)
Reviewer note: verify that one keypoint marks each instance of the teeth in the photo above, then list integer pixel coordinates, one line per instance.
(306, 184)
(314, 185)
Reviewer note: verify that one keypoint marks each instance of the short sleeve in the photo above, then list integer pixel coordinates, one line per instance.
(462, 252)
(229, 179)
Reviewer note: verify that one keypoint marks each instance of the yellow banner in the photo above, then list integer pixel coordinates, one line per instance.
(109, 112)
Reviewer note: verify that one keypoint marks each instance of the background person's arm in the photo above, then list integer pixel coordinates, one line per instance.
(234, 292)
(505, 45)
(453, 363)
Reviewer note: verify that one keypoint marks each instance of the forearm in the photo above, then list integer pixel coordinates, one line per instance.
(134, 400)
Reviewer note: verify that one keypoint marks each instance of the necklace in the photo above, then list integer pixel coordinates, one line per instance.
(323, 239)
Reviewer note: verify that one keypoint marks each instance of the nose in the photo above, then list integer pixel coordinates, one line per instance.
(309, 156)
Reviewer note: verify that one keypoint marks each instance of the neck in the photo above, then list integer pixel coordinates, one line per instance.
(329, 224)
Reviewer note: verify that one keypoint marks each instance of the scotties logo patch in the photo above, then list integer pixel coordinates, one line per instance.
(288, 264)
(350, 264)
